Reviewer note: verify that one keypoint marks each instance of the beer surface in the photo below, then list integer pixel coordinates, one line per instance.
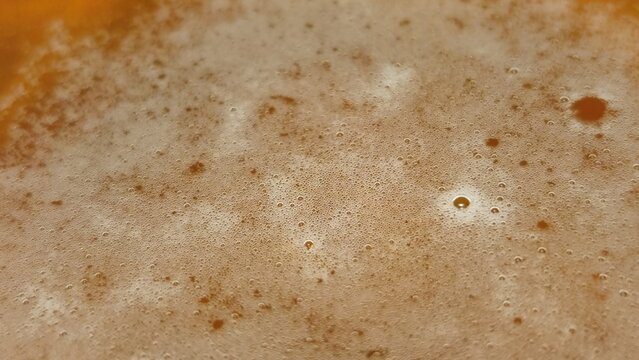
(341, 179)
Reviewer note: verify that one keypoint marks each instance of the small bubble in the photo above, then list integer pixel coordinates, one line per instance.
(461, 202)
(564, 99)
(623, 293)
(501, 185)
(506, 303)
(542, 250)
(518, 259)
(635, 166)
(513, 70)
(368, 246)
(308, 244)
(494, 210)
(603, 276)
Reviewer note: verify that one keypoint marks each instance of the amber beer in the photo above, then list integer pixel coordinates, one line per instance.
(319, 180)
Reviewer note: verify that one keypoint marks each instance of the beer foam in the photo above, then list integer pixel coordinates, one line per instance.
(322, 180)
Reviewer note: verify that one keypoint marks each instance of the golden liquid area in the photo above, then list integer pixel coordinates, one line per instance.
(621, 7)
(25, 27)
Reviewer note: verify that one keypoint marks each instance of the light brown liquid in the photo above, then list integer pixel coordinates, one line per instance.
(319, 180)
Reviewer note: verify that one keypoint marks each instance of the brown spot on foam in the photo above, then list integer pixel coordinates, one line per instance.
(56, 202)
(362, 57)
(543, 225)
(458, 23)
(265, 110)
(196, 168)
(492, 142)
(216, 324)
(286, 99)
(95, 284)
(380, 352)
(518, 320)
(589, 109)
(294, 72)
(404, 22)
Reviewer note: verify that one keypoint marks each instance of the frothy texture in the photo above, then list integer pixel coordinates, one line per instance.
(319, 180)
